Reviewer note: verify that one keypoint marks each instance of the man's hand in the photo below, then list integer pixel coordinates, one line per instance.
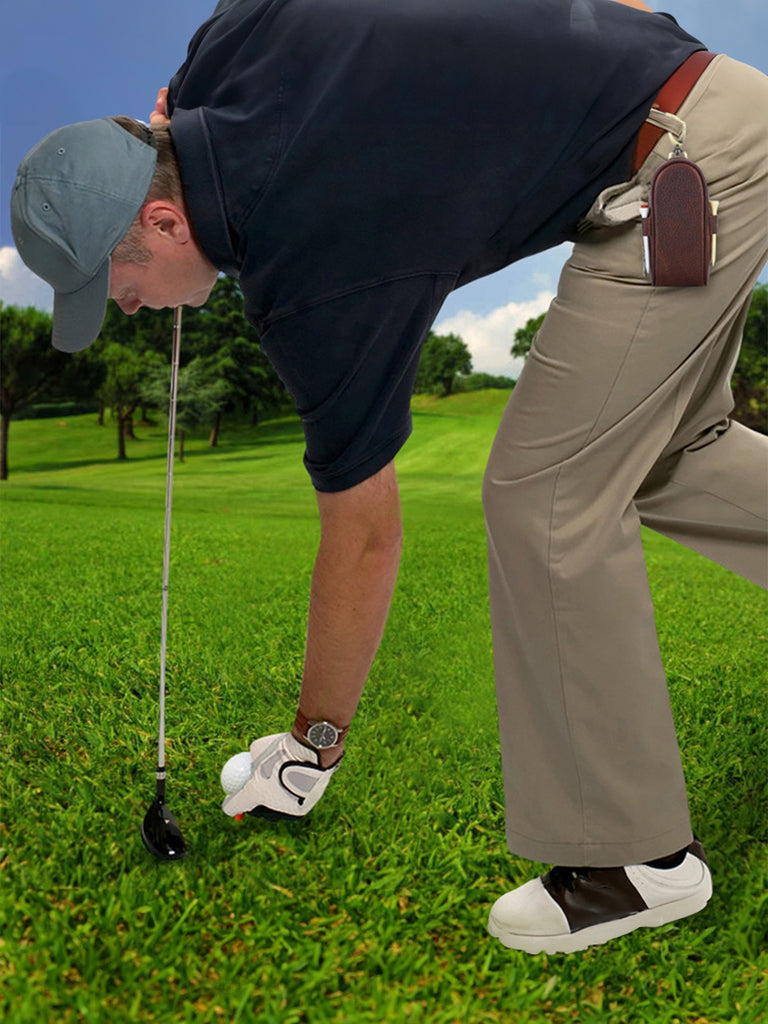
(286, 780)
(638, 4)
(159, 115)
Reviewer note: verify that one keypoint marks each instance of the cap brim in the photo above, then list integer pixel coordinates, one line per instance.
(78, 316)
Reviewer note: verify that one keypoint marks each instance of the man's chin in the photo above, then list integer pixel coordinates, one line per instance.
(199, 298)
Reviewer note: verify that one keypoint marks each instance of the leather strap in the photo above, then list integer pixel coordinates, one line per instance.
(670, 99)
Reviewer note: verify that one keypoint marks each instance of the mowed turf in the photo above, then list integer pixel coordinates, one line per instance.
(374, 909)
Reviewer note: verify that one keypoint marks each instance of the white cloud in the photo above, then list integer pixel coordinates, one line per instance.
(489, 338)
(542, 278)
(19, 286)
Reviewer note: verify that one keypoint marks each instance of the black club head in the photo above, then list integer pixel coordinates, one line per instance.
(161, 833)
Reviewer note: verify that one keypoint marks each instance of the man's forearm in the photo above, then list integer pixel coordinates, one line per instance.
(352, 586)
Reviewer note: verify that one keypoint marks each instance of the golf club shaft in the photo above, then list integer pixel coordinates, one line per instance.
(167, 543)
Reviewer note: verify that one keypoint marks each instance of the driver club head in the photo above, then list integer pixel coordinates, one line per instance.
(161, 833)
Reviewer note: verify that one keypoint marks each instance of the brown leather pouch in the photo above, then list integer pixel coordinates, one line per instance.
(680, 226)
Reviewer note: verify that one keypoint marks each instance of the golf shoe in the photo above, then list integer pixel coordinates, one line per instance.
(569, 909)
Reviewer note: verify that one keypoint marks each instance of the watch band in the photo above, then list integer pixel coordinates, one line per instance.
(302, 724)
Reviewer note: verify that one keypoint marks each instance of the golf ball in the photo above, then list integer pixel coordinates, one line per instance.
(236, 772)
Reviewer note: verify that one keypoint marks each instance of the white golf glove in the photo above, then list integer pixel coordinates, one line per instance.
(286, 780)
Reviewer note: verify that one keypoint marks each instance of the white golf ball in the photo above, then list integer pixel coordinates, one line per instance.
(236, 772)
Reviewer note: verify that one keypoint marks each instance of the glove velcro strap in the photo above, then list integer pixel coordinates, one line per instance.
(297, 777)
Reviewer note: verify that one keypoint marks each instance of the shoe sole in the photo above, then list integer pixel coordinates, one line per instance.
(597, 934)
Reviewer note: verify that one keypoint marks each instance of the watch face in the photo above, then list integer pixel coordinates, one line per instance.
(322, 735)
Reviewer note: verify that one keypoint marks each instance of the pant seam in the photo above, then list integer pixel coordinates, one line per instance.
(718, 497)
(585, 824)
(558, 645)
(592, 433)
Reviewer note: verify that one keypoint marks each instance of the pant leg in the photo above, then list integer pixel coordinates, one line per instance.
(705, 498)
(710, 491)
(612, 389)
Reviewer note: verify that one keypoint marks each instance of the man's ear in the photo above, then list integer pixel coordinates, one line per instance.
(164, 217)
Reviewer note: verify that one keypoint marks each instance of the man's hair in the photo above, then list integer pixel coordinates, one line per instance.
(166, 184)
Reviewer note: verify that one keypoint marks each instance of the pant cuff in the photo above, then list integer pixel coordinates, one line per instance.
(600, 855)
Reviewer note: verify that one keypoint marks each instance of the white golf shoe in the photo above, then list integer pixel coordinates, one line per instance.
(569, 909)
(286, 780)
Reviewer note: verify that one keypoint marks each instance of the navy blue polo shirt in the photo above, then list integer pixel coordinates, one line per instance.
(353, 161)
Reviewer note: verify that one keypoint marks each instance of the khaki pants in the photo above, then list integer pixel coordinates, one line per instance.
(620, 417)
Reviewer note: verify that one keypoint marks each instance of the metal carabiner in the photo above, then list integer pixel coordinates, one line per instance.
(678, 141)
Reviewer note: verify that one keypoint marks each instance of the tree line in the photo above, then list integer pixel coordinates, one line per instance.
(127, 370)
(223, 370)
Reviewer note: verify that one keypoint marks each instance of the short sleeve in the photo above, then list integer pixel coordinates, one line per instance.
(350, 364)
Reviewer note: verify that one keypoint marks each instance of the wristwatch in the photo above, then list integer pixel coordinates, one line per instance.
(320, 735)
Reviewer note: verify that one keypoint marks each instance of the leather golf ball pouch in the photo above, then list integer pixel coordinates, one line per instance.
(679, 223)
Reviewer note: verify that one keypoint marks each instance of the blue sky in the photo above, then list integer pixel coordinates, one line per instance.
(72, 61)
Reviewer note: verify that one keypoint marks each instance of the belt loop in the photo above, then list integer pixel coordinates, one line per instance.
(669, 100)
(667, 122)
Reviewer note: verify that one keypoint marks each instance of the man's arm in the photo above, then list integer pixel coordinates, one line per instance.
(352, 586)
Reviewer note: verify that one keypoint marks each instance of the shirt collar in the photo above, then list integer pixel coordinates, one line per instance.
(202, 190)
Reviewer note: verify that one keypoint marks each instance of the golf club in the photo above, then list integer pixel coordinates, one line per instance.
(160, 830)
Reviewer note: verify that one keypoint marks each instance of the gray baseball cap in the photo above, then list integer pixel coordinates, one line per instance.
(75, 197)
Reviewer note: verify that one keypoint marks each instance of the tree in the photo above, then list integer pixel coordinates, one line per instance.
(220, 334)
(129, 349)
(482, 382)
(199, 396)
(126, 371)
(29, 366)
(442, 358)
(524, 336)
(750, 379)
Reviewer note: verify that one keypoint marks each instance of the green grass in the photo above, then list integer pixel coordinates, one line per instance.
(372, 910)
